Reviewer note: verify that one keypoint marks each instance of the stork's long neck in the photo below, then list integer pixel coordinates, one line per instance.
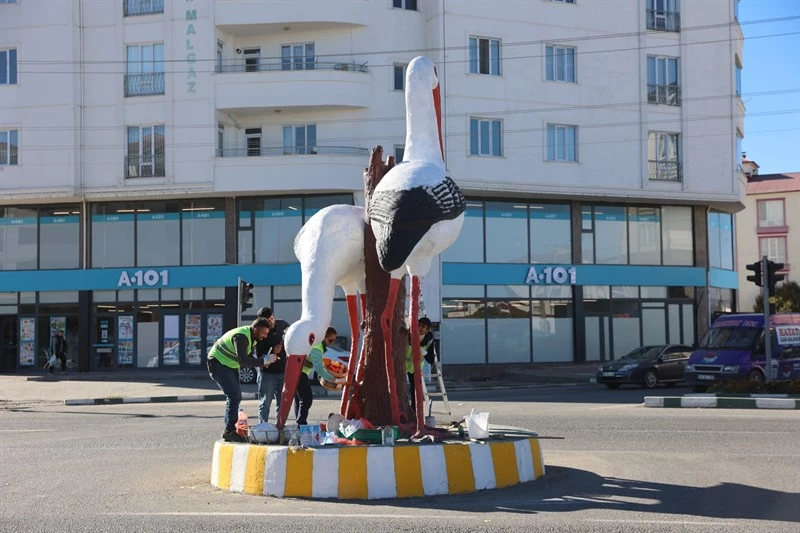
(317, 294)
(422, 126)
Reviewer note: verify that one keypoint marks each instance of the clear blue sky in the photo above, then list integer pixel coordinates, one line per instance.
(772, 122)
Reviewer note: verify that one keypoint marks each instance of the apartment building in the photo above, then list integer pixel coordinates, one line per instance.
(152, 152)
(768, 225)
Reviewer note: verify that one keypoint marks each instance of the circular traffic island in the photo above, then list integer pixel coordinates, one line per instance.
(360, 472)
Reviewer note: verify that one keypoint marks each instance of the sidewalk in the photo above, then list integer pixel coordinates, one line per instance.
(132, 386)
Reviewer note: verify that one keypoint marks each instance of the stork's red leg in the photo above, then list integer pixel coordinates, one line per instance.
(352, 311)
(416, 353)
(386, 322)
(294, 366)
(361, 359)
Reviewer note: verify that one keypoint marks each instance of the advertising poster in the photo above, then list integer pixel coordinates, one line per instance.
(125, 343)
(27, 341)
(213, 330)
(192, 336)
(172, 343)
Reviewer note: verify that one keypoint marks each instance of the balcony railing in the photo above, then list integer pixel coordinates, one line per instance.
(144, 166)
(265, 65)
(664, 94)
(665, 171)
(663, 20)
(142, 7)
(274, 151)
(144, 84)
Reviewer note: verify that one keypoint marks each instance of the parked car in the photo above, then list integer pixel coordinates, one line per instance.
(247, 375)
(647, 366)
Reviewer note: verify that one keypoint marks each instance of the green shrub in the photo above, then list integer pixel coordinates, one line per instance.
(756, 387)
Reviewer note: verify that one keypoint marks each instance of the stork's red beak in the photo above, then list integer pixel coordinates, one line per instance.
(291, 376)
(437, 105)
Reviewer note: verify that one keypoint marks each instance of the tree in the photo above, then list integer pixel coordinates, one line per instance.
(787, 299)
(374, 392)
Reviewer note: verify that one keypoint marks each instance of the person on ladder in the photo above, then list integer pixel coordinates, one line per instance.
(427, 347)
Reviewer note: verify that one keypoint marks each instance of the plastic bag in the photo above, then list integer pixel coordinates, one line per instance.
(53, 361)
(477, 425)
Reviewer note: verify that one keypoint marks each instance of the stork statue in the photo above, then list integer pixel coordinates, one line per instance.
(330, 248)
(416, 212)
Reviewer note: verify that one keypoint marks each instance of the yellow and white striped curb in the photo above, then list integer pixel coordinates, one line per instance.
(370, 472)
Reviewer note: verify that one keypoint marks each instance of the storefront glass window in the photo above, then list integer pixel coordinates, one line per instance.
(17, 238)
(277, 221)
(58, 297)
(59, 238)
(625, 323)
(315, 203)
(463, 331)
(468, 247)
(676, 235)
(158, 230)
(611, 235)
(112, 235)
(551, 231)
(552, 326)
(506, 232)
(508, 327)
(726, 241)
(713, 241)
(203, 232)
(645, 235)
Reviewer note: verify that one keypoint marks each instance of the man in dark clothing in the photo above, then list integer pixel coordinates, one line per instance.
(60, 349)
(270, 376)
(229, 353)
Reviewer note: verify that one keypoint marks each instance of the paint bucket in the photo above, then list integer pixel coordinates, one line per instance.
(430, 421)
(310, 435)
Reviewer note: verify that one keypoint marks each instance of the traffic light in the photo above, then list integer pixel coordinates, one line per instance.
(772, 276)
(756, 277)
(245, 295)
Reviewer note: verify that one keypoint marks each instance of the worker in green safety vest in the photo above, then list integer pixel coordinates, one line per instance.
(304, 396)
(232, 351)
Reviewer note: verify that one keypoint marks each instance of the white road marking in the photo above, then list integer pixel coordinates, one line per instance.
(26, 430)
(301, 515)
(666, 522)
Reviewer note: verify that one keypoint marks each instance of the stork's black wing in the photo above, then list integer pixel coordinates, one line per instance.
(401, 218)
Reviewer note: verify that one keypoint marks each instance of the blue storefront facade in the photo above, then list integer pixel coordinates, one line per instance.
(152, 284)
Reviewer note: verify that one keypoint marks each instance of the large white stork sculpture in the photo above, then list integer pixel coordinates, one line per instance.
(330, 248)
(416, 212)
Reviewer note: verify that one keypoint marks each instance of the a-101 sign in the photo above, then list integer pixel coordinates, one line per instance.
(144, 278)
(550, 275)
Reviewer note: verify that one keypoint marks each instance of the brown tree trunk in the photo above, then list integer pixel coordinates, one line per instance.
(374, 390)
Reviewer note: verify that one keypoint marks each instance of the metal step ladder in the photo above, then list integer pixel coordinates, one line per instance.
(436, 372)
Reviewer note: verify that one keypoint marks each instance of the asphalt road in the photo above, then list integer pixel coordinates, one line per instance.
(612, 465)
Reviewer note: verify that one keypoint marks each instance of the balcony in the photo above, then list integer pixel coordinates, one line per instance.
(663, 94)
(290, 168)
(132, 8)
(245, 19)
(149, 166)
(663, 20)
(665, 171)
(144, 84)
(316, 85)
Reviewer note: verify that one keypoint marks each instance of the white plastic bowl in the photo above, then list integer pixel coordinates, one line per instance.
(264, 433)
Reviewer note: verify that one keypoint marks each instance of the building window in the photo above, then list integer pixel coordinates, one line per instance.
(484, 56)
(774, 248)
(252, 59)
(8, 67)
(203, 232)
(562, 142)
(738, 78)
(771, 214)
(145, 158)
(253, 141)
(507, 232)
(737, 156)
(469, 246)
(220, 139)
(158, 234)
(644, 230)
(144, 70)
(662, 81)
(663, 15)
(18, 240)
(663, 151)
(142, 7)
(720, 240)
(485, 137)
(410, 5)
(8, 1)
(220, 50)
(564, 1)
(677, 235)
(300, 140)
(560, 63)
(399, 76)
(9, 147)
(299, 56)
(399, 152)
(550, 233)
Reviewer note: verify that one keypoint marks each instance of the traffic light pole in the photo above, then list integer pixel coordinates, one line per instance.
(238, 301)
(767, 334)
